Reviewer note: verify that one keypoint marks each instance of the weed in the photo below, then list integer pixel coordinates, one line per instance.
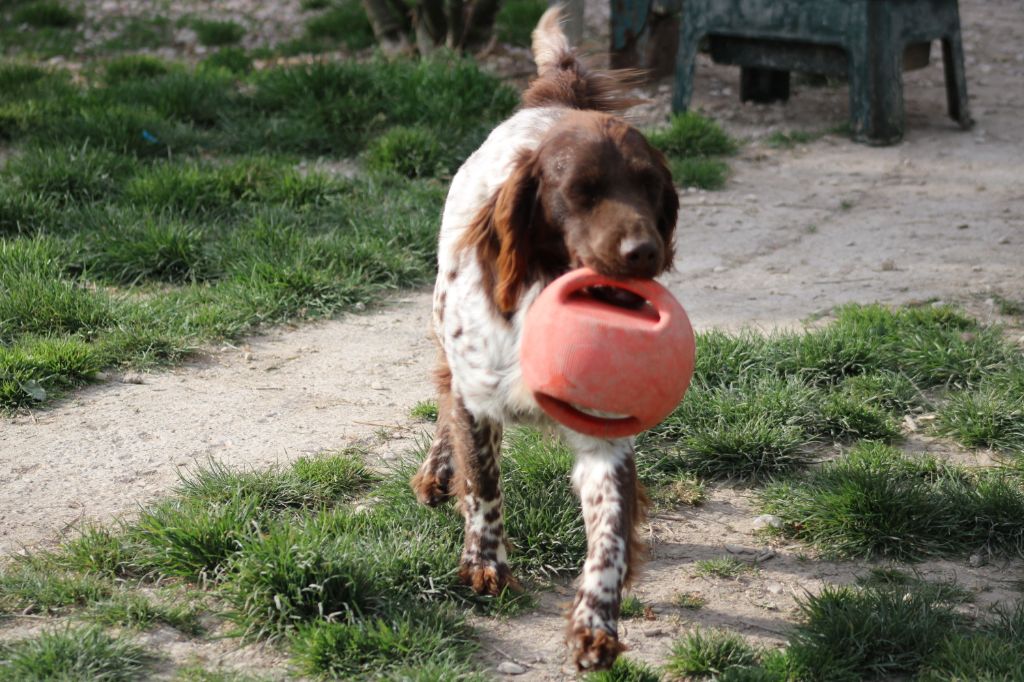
(709, 653)
(691, 135)
(75, 654)
(991, 416)
(631, 607)
(425, 410)
(31, 584)
(217, 33)
(233, 59)
(849, 634)
(346, 648)
(625, 670)
(516, 20)
(46, 14)
(192, 538)
(724, 567)
(345, 23)
(689, 600)
(137, 33)
(703, 173)
(683, 489)
(410, 152)
(310, 482)
(1007, 306)
(788, 140)
(133, 68)
(134, 610)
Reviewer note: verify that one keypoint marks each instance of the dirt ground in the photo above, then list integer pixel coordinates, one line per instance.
(794, 233)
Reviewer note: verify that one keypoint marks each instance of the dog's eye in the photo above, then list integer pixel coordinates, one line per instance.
(586, 191)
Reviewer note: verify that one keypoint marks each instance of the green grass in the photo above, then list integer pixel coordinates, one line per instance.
(217, 33)
(425, 410)
(631, 607)
(31, 585)
(707, 653)
(516, 20)
(792, 138)
(694, 145)
(725, 567)
(691, 135)
(848, 634)
(689, 600)
(342, 650)
(877, 503)
(155, 208)
(758, 406)
(343, 23)
(74, 654)
(134, 610)
(45, 14)
(625, 670)
(702, 173)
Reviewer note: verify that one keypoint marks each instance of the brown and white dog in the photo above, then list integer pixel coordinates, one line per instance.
(561, 184)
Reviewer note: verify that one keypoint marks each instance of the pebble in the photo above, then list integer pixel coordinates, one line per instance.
(377, 386)
(767, 521)
(977, 560)
(133, 378)
(719, 268)
(510, 668)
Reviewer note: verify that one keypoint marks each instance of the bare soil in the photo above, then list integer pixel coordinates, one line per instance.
(795, 233)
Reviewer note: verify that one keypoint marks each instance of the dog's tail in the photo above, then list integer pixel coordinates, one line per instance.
(563, 80)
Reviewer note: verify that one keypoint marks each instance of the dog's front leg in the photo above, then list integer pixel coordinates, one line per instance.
(477, 444)
(605, 479)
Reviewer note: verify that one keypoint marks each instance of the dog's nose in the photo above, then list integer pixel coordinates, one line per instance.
(640, 256)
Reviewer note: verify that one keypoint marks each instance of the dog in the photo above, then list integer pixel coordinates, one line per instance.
(563, 183)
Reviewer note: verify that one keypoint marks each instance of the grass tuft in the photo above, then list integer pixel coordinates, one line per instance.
(875, 503)
(625, 670)
(46, 14)
(692, 135)
(217, 33)
(345, 649)
(725, 567)
(849, 634)
(75, 654)
(709, 653)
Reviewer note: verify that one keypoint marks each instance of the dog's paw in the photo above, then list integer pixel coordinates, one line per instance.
(488, 577)
(594, 649)
(430, 488)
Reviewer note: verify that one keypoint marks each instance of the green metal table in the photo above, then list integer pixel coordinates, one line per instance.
(868, 41)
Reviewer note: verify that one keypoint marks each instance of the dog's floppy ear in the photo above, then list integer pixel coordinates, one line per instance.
(501, 234)
(669, 212)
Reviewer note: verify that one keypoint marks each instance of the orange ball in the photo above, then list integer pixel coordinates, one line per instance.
(630, 364)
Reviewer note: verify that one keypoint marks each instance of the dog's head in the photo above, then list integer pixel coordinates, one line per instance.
(595, 193)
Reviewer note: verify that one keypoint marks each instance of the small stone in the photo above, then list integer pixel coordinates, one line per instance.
(359, 306)
(888, 265)
(377, 386)
(767, 521)
(909, 424)
(765, 556)
(719, 268)
(738, 549)
(510, 668)
(962, 226)
(133, 378)
(774, 588)
(977, 560)
(656, 632)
